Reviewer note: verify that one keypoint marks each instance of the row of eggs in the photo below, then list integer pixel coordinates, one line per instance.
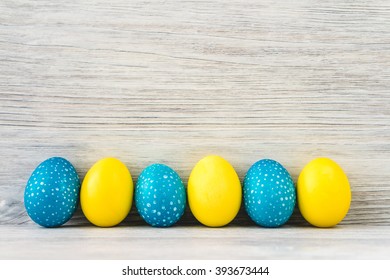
(214, 193)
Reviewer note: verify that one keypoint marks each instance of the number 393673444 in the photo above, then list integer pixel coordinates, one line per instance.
(241, 270)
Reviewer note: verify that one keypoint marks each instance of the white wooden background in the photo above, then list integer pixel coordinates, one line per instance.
(173, 81)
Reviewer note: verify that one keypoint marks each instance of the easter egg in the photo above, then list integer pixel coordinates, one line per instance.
(107, 193)
(52, 192)
(214, 191)
(324, 194)
(160, 195)
(269, 193)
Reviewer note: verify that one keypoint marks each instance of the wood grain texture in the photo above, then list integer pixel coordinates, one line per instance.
(173, 81)
(196, 242)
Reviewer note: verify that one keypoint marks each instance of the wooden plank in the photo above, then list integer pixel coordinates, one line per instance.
(173, 81)
(196, 242)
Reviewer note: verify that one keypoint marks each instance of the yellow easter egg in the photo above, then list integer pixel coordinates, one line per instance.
(214, 191)
(324, 194)
(107, 193)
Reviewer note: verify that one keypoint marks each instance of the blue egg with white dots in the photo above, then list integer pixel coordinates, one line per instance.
(160, 196)
(52, 192)
(269, 193)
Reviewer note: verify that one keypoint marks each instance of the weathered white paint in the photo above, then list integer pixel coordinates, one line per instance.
(196, 242)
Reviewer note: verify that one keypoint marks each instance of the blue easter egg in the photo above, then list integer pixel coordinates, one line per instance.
(52, 192)
(269, 193)
(160, 196)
